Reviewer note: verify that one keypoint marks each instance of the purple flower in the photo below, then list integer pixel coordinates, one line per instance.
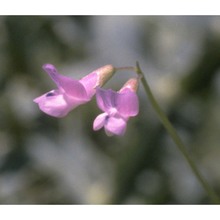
(70, 93)
(118, 107)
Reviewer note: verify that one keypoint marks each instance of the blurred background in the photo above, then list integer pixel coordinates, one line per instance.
(46, 160)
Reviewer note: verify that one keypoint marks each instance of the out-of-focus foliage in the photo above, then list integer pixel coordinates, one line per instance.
(45, 160)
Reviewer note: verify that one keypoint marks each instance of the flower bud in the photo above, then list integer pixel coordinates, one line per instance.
(131, 84)
(104, 74)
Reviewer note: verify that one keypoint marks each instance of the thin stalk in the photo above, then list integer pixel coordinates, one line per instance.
(171, 130)
(125, 68)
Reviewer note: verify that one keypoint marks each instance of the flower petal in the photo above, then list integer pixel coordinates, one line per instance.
(57, 104)
(127, 103)
(105, 99)
(99, 121)
(89, 82)
(70, 86)
(74, 88)
(52, 72)
(115, 126)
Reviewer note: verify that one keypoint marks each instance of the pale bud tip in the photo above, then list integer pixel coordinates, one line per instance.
(131, 84)
(104, 73)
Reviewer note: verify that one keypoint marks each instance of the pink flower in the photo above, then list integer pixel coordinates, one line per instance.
(70, 93)
(118, 107)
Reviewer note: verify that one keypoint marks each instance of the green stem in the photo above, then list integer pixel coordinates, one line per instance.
(171, 130)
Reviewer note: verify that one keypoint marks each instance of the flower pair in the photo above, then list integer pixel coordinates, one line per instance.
(118, 107)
